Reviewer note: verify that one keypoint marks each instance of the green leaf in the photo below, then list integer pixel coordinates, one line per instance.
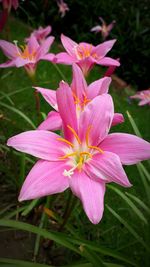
(140, 202)
(145, 183)
(20, 263)
(129, 228)
(145, 171)
(30, 207)
(15, 92)
(134, 126)
(129, 203)
(20, 113)
(8, 98)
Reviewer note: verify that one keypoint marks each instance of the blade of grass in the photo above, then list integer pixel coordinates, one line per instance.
(30, 207)
(133, 124)
(140, 202)
(15, 92)
(136, 211)
(20, 263)
(145, 183)
(129, 228)
(20, 113)
(8, 98)
(145, 171)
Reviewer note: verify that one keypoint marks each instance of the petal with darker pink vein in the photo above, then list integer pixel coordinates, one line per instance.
(49, 95)
(79, 85)
(97, 116)
(38, 143)
(68, 44)
(45, 178)
(53, 122)
(7, 64)
(98, 87)
(108, 168)
(45, 46)
(64, 58)
(130, 148)
(102, 49)
(67, 109)
(91, 194)
(9, 49)
(117, 119)
(108, 61)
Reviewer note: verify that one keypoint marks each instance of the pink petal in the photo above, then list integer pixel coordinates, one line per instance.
(45, 46)
(33, 44)
(98, 87)
(107, 167)
(67, 109)
(64, 58)
(96, 29)
(39, 143)
(49, 57)
(45, 178)
(68, 44)
(102, 49)
(53, 122)
(98, 115)
(107, 61)
(9, 49)
(130, 148)
(86, 64)
(144, 102)
(91, 194)
(10, 63)
(79, 85)
(117, 119)
(49, 95)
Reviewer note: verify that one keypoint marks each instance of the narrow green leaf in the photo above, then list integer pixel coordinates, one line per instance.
(8, 98)
(30, 207)
(129, 203)
(145, 183)
(140, 202)
(20, 263)
(15, 92)
(134, 126)
(129, 228)
(20, 113)
(145, 171)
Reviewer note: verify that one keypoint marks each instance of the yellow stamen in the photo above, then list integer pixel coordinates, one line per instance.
(87, 135)
(75, 134)
(65, 141)
(86, 153)
(97, 148)
(68, 155)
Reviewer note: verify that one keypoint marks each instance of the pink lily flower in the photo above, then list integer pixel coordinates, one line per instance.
(7, 4)
(27, 56)
(144, 96)
(104, 28)
(40, 34)
(82, 95)
(63, 7)
(85, 159)
(85, 55)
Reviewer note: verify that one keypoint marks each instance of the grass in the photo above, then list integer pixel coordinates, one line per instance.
(112, 232)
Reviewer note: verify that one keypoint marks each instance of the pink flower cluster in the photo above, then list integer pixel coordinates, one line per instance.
(84, 157)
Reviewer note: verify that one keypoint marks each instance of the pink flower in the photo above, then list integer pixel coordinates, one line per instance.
(82, 95)
(104, 29)
(7, 4)
(40, 34)
(85, 159)
(63, 7)
(144, 96)
(27, 56)
(85, 55)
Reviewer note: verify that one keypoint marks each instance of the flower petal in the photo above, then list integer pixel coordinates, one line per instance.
(107, 61)
(102, 49)
(98, 115)
(130, 148)
(49, 95)
(68, 44)
(79, 85)
(98, 87)
(45, 46)
(53, 122)
(33, 44)
(45, 178)
(7, 64)
(107, 167)
(49, 57)
(67, 109)
(39, 143)
(9, 49)
(64, 58)
(91, 194)
(117, 119)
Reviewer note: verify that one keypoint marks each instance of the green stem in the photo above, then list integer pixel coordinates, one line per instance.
(36, 96)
